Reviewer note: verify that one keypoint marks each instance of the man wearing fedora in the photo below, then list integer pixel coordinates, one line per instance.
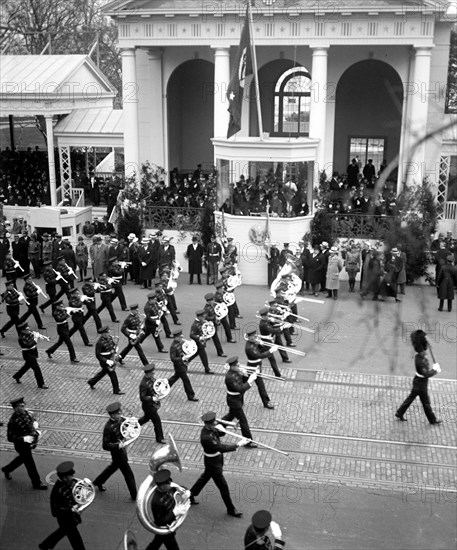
(147, 267)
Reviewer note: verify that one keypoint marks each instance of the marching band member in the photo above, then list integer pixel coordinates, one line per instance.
(131, 328)
(9, 268)
(237, 385)
(31, 293)
(61, 317)
(105, 352)
(213, 449)
(50, 279)
(196, 333)
(219, 298)
(152, 322)
(420, 381)
(266, 328)
(164, 296)
(213, 257)
(28, 345)
(22, 432)
(255, 352)
(11, 297)
(277, 307)
(162, 303)
(78, 316)
(272, 326)
(113, 442)
(63, 509)
(179, 361)
(116, 273)
(106, 293)
(66, 280)
(256, 537)
(210, 316)
(170, 291)
(165, 510)
(88, 290)
(150, 402)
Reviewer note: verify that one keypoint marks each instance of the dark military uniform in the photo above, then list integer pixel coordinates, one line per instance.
(19, 426)
(213, 257)
(106, 292)
(254, 541)
(29, 350)
(62, 502)
(213, 450)
(105, 350)
(237, 386)
(196, 334)
(151, 324)
(255, 353)
(78, 317)
(219, 298)
(111, 438)
(162, 302)
(171, 302)
(50, 279)
(61, 317)
(150, 407)
(210, 315)
(46, 250)
(180, 366)
(88, 290)
(9, 268)
(11, 298)
(64, 270)
(31, 294)
(162, 506)
(117, 273)
(131, 328)
(268, 328)
(273, 264)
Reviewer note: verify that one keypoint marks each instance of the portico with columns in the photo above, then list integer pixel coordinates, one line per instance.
(177, 63)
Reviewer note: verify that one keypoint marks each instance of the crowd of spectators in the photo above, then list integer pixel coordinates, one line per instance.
(24, 177)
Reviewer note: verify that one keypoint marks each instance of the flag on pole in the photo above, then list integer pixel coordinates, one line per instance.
(241, 70)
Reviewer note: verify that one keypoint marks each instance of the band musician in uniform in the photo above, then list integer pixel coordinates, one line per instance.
(22, 432)
(150, 402)
(238, 384)
(29, 348)
(213, 449)
(165, 510)
(420, 381)
(257, 536)
(31, 293)
(11, 297)
(88, 290)
(131, 328)
(152, 322)
(210, 315)
(255, 352)
(179, 361)
(63, 509)
(105, 350)
(61, 317)
(113, 441)
(196, 333)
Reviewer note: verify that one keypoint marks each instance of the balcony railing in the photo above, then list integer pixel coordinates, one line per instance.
(360, 226)
(170, 217)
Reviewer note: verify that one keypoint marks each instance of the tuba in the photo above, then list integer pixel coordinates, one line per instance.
(166, 454)
(83, 492)
(162, 387)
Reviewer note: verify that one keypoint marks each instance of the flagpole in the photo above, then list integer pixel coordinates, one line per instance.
(254, 66)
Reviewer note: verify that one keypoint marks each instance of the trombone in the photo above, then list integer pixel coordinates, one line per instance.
(228, 432)
(285, 310)
(285, 324)
(262, 340)
(250, 370)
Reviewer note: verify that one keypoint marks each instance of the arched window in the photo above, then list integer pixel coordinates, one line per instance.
(291, 103)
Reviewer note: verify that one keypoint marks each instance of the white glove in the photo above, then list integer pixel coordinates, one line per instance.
(155, 399)
(243, 442)
(121, 444)
(110, 362)
(180, 509)
(286, 326)
(436, 366)
(219, 427)
(252, 378)
(35, 424)
(143, 264)
(273, 349)
(276, 530)
(28, 438)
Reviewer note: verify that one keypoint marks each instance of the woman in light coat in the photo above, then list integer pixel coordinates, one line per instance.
(335, 265)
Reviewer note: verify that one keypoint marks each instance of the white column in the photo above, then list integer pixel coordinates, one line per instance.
(130, 107)
(51, 164)
(221, 82)
(416, 124)
(318, 106)
(155, 100)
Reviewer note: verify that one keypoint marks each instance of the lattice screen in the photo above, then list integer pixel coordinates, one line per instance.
(442, 185)
(65, 172)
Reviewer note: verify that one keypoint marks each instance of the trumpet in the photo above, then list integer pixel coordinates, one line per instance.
(222, 429)
(71, 271)
(249, 370)
(40, 290)
(124, 264)
(85, 298)
(21, 297)
(17, 264)
(59, 276)
(260, 340)
(70, 310)
(40, 336)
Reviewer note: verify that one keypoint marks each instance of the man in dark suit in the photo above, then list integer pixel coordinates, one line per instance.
(194, 255)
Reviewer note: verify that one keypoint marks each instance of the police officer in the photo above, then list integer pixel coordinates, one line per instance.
(210, 316)
(22, 432)
(237, 384)
(196, 333)
(11, 298)
(113, 441)
(152, 322)
(88, 297)
(64, 509)
(131, 328)
(105, 350)
(31, 293)
(257, 536)
(29, 349)
(150, 402)
(78, 316)
(255, 352)
(213, 449)
(61, 317)
(179, 361)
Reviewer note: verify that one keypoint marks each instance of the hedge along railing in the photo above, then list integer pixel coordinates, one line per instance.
(172, 217)
(360, 226)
